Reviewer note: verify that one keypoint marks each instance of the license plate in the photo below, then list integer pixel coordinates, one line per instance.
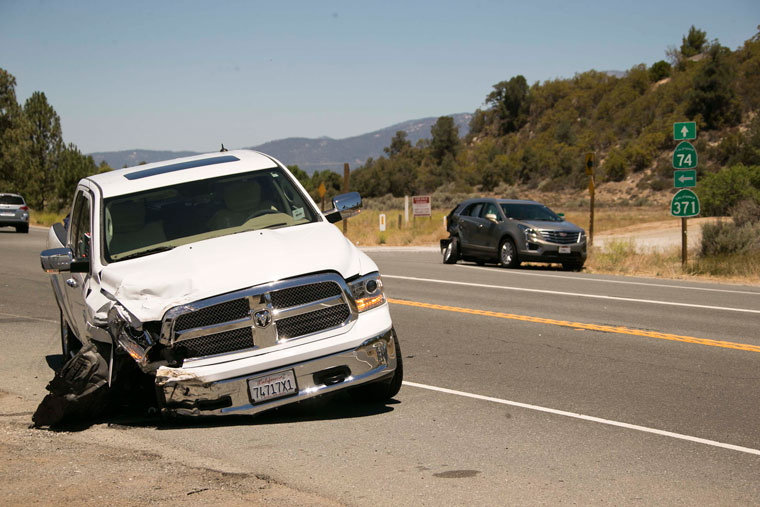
(272, 386)
(564, 249)
(7, 214)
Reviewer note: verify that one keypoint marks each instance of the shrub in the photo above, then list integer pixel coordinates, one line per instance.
(720, 192)
(746, 212)
(723, 238)
(614, 166)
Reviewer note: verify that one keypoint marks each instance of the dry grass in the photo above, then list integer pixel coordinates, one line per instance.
(364, 229)
(45, 218)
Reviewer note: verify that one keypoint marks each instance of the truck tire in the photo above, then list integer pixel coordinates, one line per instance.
(451, 254)
(70, 345)
(382, 390)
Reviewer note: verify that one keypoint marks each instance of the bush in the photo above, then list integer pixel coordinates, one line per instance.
(722, 238)
(747, 212)
(614, 166)
(720, 192)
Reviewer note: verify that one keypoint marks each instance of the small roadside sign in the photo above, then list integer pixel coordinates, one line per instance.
(685, 179)
(590, 163)
(684, 156)
(382, 222)
(421, 206)
(684, 130)
(322, 189)
(684, 204)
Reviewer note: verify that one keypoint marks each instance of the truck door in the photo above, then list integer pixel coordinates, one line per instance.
(77, 284)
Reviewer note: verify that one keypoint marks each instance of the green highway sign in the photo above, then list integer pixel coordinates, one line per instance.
(684, 204)
(685, 179)
(684, 156)
(684, 130)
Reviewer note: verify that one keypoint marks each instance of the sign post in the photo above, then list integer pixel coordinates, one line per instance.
(346, 175)
(590, 172)
(685, 203)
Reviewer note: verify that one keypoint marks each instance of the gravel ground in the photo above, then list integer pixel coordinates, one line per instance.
(101, 466)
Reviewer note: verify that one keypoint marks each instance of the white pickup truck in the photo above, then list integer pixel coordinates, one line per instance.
(221, 278)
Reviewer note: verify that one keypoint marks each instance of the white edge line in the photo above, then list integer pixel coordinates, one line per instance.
(599, 420)
(592, 296)
(585, 279)
(27, 318)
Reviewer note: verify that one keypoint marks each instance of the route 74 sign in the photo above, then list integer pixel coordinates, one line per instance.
(684, 204)
(685, 156)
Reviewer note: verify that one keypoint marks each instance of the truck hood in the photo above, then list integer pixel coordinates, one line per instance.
(149, 286)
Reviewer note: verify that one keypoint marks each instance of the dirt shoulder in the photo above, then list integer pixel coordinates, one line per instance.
(101, 466)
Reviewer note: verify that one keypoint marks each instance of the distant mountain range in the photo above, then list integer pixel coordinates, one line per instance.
(308, 154)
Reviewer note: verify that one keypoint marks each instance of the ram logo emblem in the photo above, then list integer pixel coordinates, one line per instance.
(262, 318)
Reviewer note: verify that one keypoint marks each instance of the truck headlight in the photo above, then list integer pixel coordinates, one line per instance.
(367, 291)
(126, 331)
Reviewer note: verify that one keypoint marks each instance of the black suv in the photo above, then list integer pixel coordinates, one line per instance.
(511, 231)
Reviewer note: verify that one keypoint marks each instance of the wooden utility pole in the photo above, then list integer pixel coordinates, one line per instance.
(346, 172)
(591, 190)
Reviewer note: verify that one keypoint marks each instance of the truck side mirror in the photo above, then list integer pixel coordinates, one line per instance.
(60, 260)
(344, 206)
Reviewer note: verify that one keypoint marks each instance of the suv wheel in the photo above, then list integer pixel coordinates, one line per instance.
(508, 254)
(22, 228)
(451, 254)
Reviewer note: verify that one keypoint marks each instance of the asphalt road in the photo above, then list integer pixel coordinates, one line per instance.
(529, 386)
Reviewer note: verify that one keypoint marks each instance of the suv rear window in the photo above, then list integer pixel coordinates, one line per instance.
(11, 199)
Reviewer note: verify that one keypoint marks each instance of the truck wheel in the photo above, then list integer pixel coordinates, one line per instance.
(382, 390)
(451, 254)
(70, 345)
(508, 254)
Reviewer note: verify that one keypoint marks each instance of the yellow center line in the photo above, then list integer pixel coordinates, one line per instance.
(581, 325)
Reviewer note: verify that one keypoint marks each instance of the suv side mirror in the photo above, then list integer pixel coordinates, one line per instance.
(344, 206)
(492, 217)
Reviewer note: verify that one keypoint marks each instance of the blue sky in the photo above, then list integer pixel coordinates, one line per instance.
(190, 75)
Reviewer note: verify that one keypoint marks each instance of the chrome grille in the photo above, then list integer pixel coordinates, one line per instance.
(216, 314)
(297, 308)
(219, 343)
(303, 294)
(561, 237)
(308, 323)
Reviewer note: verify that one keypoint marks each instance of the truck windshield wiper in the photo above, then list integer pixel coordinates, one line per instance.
(149, 251)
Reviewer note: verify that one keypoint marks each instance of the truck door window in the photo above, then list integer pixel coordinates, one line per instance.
(80, 227)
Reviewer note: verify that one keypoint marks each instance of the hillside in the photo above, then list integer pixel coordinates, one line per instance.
(307, 153)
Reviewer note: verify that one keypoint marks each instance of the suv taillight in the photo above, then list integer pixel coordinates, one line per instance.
(24, 208)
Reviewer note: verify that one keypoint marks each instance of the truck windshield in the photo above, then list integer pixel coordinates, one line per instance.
(163, 218)
(519, 211)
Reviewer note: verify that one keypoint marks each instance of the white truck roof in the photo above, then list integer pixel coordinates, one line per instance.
(180, 170)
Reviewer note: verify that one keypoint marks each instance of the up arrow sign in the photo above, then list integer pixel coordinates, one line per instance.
(684, 130)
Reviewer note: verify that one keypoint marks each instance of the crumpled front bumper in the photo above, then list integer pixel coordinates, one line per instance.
(185, 394)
